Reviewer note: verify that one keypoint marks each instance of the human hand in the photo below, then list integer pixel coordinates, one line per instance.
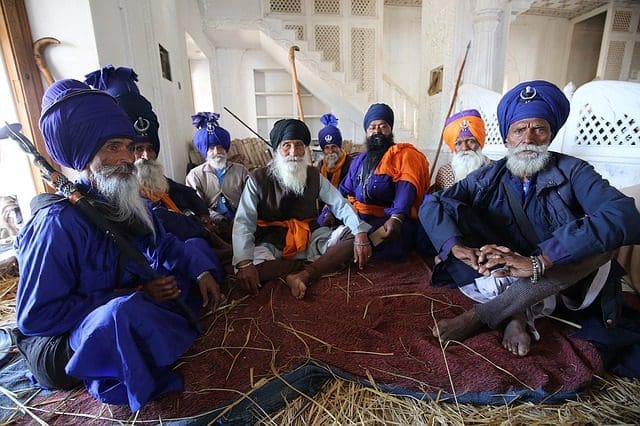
(162, 289)
(209, 287)
(330, 220)
(248, 279)
(512, 263)
(466, 254)
(361, 249)
(392, 228)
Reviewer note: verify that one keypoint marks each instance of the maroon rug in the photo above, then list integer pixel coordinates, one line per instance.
(375, 325)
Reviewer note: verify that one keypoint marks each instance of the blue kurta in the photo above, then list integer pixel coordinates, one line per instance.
(395, 197)
(124, 342)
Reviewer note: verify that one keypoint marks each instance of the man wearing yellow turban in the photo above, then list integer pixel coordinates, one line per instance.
(464, 134)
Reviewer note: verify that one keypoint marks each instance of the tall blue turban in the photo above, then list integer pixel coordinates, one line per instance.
(329, 134)
(533, 99)
(209, 132)
(378, 112)
(288, 130)
(121, 84)
(77, 120)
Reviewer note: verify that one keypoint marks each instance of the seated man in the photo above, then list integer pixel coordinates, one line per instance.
(218, 182)
(548, 220)
(86, 312)
(335, 163)
(275, 228)
(386, 184)
(464, 134)
(180, 210)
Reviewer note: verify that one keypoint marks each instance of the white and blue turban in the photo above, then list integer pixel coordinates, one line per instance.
(77, 120)
(533, 99)
(209, 132)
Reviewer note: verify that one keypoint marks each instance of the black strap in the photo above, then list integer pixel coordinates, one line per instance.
(521, 218)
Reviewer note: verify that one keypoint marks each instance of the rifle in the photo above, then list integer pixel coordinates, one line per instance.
(80, 202)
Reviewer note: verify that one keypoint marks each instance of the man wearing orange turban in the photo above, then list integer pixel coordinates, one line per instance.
(464, 134)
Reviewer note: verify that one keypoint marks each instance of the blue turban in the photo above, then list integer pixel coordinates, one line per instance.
(76, 121)
(121, 84)
(329, 134)
(209, 132)
(288, 130)
(378, 112)
(533, 99)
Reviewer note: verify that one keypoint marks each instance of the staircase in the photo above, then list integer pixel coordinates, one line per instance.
(334, 88)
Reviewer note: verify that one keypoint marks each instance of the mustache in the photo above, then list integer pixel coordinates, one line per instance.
(124, 168)
(529, 147)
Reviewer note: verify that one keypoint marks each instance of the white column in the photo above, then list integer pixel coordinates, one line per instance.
(485, 65)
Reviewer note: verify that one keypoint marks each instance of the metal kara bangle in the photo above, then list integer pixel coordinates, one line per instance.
(246, 265)
(396, 218)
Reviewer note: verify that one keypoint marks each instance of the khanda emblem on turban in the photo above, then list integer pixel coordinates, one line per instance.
(141, 125)
(464, 125)
(328, 138)
(210, 128)
(528, 94)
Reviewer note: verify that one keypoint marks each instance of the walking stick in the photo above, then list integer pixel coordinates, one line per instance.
(296, 90)
(294, 80)
(453, 101)
(84, 206)
(41, 62)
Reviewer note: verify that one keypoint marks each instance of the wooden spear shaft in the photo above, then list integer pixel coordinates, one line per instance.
(453, 101)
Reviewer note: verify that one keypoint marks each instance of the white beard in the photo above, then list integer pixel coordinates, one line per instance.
(290, 172)
(331, 160)
(150, 174)
(465, 162)
(217, 161)
(527, 164)
(122, 192)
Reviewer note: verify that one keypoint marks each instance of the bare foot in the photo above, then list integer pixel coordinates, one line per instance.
(458, 328)
(516, 339)
(297, 283)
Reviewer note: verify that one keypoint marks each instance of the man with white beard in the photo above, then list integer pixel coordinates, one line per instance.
(464, 134)
(180, 210)
(335, 163)
(217, 181)
(275, 231)
(86, 312)
(530, 226)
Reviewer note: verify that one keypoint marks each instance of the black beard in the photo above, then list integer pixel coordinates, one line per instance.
(377, 145)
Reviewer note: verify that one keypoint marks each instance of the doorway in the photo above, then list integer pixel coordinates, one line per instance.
(585, 49)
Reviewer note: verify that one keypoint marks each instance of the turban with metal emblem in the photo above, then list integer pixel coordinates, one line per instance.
(378, 112)
(464, 124)
(533, 99)
(287, 130)
(329, 134)
(77, 120)
(209, 132)
(121, 84)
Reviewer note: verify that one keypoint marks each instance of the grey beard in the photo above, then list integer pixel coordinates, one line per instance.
(150, 174)
(331, 160)
(218, 161)
(290, 172)
(527, 167)
(122, 192)
(466, 162)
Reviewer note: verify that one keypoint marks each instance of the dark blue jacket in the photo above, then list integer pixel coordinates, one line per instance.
(574, 211)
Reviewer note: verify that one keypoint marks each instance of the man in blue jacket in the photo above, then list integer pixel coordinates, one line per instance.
(535, 224)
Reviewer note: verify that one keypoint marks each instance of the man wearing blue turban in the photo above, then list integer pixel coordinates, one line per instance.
(385, 184)
(86, 312)
(335, 162)
(217, 181)
(178, 207)
(528, 228)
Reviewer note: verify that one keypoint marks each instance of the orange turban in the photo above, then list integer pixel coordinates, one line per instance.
(467, 123)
